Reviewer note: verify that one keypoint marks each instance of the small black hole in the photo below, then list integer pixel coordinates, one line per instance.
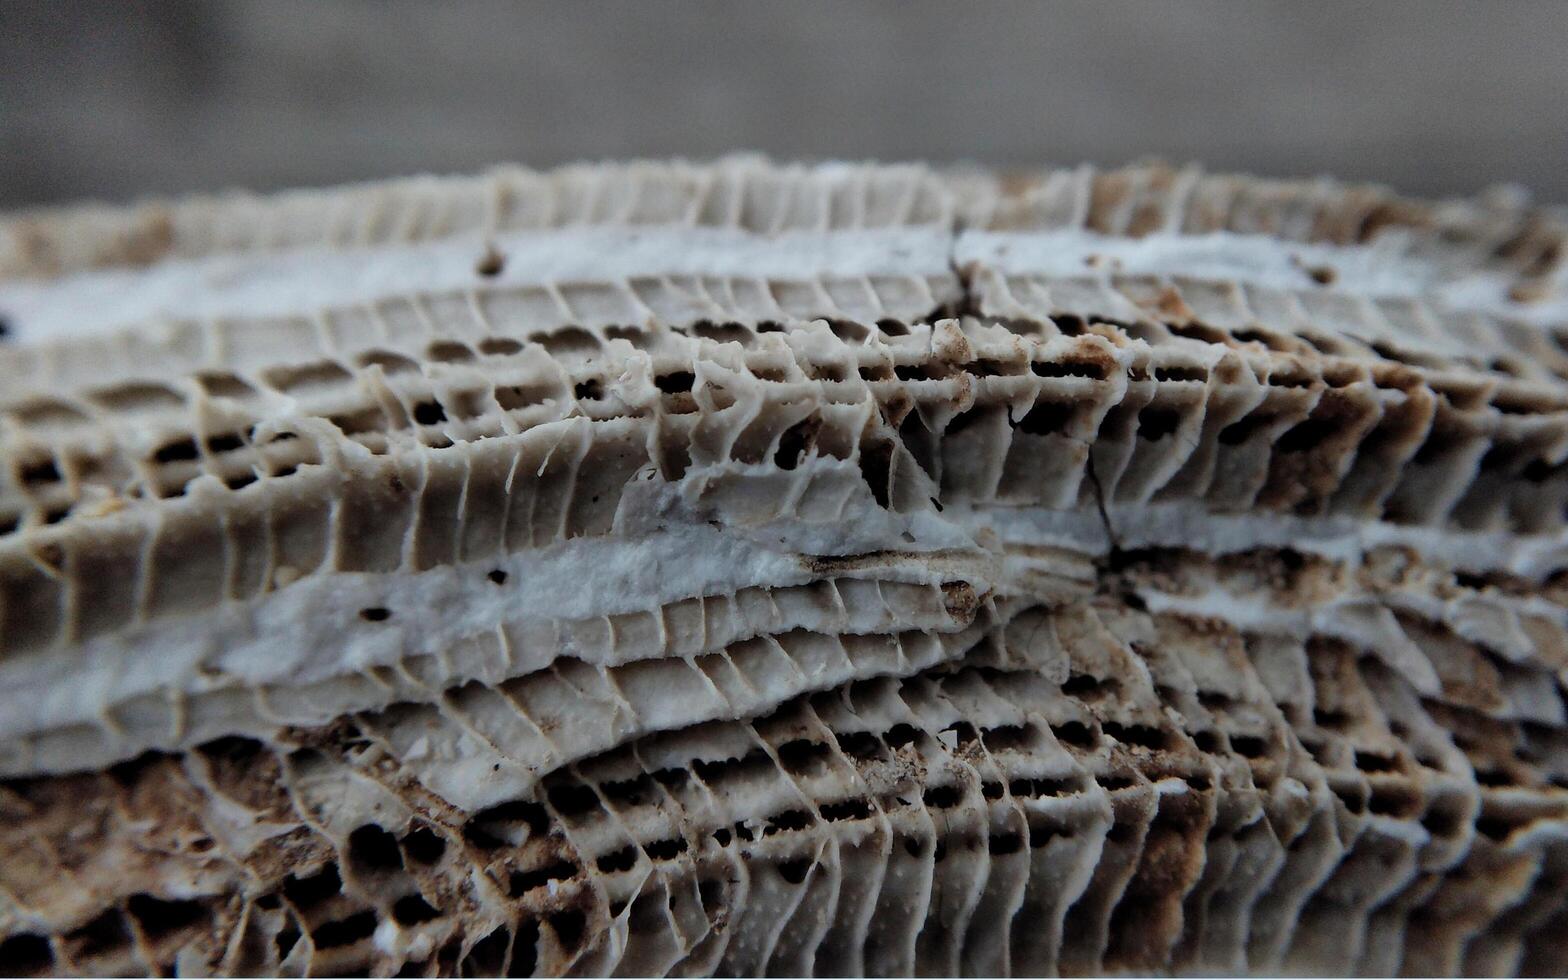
(900, 735)
(1046, 418)
(943, 797)
(1250, 746)
(491, 263)
(1074, 733)
(852, 809)
(859, 745)
(1306, 435)
(1006, 843)
(343, 932)
(569, 925)
(375, 614)
(1376, 762)
(185, 449)
(963, 732)
(43, 472)
(374, 848)
(665, 850)
(1494, 828)
(1155, 424)
(1004, 737)
(1493, 778)
(497, 576)
(429, 413)
(413, 909)
(488, 957)
(104, 933)
(25, 955)
(795, 442)
(1144, 736)
(1328, 718)
(622, 860)
(1080, 685)
(313, 889)
(1241, 430)
(795, 871)
(573, 800)
(675, 382)
(673, 778)
(876, 460)
(800, 753)
(285, 940)
(522, 882)
(1041, 834)
(424, 845)
(1441, 823)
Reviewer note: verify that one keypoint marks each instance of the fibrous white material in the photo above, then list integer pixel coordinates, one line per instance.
(737, 568)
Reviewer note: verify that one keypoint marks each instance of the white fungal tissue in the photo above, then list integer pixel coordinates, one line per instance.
(810, 570)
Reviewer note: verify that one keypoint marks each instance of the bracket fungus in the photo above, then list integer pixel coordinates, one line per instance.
(744, 568)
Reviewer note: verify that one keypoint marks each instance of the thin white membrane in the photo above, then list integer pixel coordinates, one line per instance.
(308, 280)
(312, 630)
(1340, 538)
(297, 636)
(1387, 268)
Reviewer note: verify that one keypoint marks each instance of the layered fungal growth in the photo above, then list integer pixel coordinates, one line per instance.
(740, 569)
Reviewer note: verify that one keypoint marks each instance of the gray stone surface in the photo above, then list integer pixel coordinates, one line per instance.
(118, 100)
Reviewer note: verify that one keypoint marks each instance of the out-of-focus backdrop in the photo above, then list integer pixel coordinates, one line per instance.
(118, 99)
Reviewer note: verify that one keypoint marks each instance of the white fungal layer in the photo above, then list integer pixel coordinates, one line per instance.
(842, 570)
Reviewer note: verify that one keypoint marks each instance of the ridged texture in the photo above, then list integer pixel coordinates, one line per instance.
(739, 569)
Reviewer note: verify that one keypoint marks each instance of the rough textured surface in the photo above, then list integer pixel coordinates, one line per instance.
(735, 569)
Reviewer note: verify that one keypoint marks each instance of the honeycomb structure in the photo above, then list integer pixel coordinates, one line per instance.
(808, 570)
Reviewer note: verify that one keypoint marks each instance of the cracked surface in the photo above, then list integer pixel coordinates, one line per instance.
(663, 569)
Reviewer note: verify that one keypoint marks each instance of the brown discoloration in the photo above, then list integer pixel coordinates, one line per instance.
(1531, 290)
(151, 239)
(961, 601)
(1393, 213)
(832, 565)
(37, 249)
(1107, 193)
(1323, 275)
(1173, 307)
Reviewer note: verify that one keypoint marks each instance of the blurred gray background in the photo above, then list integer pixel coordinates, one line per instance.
(115, 99)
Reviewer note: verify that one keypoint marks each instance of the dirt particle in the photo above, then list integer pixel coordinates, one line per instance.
(491, 263)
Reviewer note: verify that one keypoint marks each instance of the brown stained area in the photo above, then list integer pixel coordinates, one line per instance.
(72, 824)
(961, 601)
(142, 239)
